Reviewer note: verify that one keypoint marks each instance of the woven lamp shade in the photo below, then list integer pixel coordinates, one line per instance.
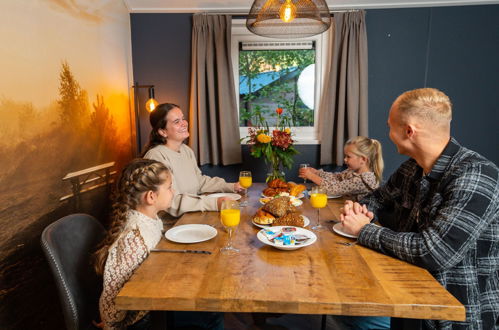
(305, 18)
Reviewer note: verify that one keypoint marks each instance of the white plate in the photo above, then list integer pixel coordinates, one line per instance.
(299, 196)
(338, 229)
(333, 196)
(235, 197)
(193, 233)
(294, 201)
(261, 236)
(306, 222)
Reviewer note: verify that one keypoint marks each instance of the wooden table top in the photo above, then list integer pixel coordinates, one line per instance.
(323, 278)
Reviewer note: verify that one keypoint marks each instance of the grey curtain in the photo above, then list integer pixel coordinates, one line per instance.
(213, 119)
(343, 107)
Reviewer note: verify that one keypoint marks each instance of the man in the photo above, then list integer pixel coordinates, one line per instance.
(439, 210)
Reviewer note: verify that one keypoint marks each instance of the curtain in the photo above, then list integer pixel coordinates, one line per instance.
(343, 107)
(213, 118)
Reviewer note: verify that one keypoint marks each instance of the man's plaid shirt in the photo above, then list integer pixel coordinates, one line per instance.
(447, 222)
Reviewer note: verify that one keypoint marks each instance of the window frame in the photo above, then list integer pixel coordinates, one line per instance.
(301, 135)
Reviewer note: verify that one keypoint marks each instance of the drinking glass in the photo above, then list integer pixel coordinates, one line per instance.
(245, 180)
(318, 200)
(304, 166)
(230, 215)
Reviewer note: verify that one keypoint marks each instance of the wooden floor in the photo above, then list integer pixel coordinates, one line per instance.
(240, 321)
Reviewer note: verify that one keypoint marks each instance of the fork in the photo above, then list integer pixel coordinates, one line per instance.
(347, 243)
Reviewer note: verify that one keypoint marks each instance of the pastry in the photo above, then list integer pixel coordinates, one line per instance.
(263, 218)
(271, 192)
(297, 189)
(277, 183)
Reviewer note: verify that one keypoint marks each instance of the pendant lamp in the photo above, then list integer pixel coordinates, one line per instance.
(288, 18)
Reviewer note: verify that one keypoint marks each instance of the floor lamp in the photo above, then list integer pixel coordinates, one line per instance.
(150, 105)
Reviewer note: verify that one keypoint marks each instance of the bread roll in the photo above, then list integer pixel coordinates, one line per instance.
(290, 219)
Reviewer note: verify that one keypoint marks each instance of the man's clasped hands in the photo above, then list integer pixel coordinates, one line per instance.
(354, 217)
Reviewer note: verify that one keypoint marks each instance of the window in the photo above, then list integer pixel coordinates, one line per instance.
(271, 73)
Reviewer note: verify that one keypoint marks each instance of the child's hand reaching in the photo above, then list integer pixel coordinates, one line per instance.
(309, 173)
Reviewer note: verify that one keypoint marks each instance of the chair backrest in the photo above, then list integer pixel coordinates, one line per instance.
(68, 244)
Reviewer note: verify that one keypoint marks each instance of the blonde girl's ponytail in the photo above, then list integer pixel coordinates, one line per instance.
(139, 176)
(377, 161)
(371, 149)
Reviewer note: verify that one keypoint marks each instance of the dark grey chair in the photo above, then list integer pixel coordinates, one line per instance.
(68, 244)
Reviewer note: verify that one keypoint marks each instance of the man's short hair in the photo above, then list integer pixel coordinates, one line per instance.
(428, 104)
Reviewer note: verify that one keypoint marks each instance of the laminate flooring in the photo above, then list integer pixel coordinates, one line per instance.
(243, 321)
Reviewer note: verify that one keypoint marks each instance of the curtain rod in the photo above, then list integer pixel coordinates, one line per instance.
(237, 13)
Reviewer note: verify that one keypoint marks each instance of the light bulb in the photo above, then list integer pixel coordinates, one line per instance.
(287, 12)
(151, 104)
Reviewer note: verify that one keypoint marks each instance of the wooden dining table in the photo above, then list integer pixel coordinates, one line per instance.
(326, 277)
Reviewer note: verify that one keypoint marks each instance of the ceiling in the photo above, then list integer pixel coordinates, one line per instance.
(243, 6)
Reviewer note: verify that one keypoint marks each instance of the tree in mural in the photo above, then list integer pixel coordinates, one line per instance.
(73, 100)
(286, 65)
(102, 128)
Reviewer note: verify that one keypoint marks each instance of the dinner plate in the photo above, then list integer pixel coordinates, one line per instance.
(294, 201)
(333, 196)
(338, 229)
(231, 195)
(306, 222)
(193, 233)
(262, 238)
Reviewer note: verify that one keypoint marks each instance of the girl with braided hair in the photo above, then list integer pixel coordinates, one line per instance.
(144, 189)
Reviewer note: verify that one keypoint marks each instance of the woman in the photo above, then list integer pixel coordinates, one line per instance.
(166, 144)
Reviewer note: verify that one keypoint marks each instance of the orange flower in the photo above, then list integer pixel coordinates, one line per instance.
(263, 138)
(278, 111)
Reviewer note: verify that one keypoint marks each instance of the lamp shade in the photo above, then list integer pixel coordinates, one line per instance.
(288, 18)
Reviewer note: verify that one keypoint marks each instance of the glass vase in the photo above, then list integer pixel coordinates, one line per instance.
(275, 171)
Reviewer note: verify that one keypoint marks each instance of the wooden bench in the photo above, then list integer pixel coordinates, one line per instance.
(88, 179)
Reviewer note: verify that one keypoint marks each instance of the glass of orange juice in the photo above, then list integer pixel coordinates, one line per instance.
(318, 200)
(230, 216)
(245, 180)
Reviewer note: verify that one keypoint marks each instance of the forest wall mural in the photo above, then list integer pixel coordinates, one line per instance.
(64, 107)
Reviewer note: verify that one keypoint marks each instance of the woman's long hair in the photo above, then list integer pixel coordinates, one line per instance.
(139, 176)
(157, 118)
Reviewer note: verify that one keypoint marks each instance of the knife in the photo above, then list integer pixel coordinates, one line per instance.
(181, 251)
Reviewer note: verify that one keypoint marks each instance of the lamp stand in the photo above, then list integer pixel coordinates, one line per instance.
(138, 135)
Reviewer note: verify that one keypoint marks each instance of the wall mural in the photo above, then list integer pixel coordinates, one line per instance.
(64, 107)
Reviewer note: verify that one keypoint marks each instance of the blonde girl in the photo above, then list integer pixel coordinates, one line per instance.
(364, 159)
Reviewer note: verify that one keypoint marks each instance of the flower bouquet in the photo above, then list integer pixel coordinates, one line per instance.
(275, 144)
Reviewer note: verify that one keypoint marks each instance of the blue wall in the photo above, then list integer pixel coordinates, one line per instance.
(455, 49)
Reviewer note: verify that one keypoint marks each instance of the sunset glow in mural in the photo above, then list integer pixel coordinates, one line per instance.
(64, 107)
